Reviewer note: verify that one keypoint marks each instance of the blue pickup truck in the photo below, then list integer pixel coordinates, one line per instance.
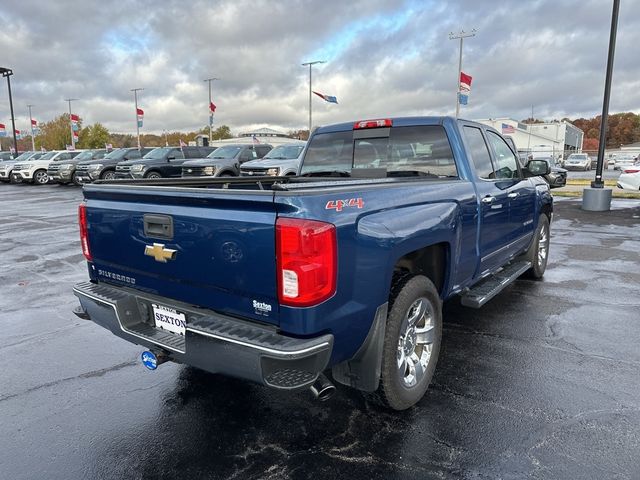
(344, 267)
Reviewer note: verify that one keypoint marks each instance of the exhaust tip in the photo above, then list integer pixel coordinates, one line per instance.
(322, 389)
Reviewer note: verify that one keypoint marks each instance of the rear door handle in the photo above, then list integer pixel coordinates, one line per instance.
(488, 199)
(513, 195)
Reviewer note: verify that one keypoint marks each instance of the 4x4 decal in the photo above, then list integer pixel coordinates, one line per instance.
(338, 205)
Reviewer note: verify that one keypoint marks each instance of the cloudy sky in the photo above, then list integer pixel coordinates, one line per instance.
(384, 58)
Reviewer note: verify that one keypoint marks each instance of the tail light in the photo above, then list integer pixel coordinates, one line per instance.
(306, 261)
(84, 231)
(632, 170)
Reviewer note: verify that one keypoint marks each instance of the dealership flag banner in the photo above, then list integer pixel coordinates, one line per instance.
(35, 130)
(18, 135)
(506, 128)
(3, 130)
(212, 110)
(327, 98)
(74, 123)
(465, 88)
(140, 114)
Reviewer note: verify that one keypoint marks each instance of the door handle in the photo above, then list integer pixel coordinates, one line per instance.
(158, 226)
(488, 199)
(513, 195)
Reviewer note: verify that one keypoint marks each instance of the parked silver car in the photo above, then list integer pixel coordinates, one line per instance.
(282, 160)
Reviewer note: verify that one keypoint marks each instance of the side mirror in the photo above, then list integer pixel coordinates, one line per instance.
(538, 167)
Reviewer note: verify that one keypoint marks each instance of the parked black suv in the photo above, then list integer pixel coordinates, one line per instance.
(105, 168)
(161, 162)
(225, 161)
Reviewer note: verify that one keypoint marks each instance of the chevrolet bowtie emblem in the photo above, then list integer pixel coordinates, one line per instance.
(159, 253)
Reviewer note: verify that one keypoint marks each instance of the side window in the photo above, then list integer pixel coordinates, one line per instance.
(262, 151)
(479, 152)
(64, 156)
(245, 155)
(176, 153)
(506, 162)
(132, 154)
(192, 152)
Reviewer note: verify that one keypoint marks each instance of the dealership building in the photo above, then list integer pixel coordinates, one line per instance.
(553, 137)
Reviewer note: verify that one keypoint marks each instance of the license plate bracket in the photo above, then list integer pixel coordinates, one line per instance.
(169, 319)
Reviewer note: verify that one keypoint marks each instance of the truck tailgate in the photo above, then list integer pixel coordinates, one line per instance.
(224, 243)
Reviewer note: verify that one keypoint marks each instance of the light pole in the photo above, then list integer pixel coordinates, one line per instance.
(135, 99)
(33, 141)
(453, 36)
(597, 198)
(73, 142)
(7, 72)
(209, 80)
(310, 64)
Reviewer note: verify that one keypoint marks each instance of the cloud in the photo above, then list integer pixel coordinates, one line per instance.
(383, 57)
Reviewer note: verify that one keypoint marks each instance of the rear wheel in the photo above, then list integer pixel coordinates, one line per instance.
(412, 342)
(40, 177)
(538, 253)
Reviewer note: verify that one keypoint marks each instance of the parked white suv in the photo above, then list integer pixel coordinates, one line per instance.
(35, 171)
(6, 167)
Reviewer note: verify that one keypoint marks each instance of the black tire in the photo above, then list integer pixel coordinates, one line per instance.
(12, 181)
(154, 175)
(74, 179)
(40, 177)
(108, 175)
(538, 253)
(226, 174)
(395, 390)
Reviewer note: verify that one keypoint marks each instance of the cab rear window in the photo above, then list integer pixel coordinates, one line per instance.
(397, 151)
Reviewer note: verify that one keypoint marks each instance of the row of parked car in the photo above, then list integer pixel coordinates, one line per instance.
(86, 166)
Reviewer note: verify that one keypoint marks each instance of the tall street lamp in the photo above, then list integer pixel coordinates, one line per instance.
(209, 106)
(33, 140)
(462, 35)
(310, 64)
(7, 72)
(597, 198)
(135, 100)
(73, 141)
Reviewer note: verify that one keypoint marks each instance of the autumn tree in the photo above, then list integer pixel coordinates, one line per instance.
(93, 136)
(55, 134)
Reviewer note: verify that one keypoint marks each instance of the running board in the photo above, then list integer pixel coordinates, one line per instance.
(488, 288)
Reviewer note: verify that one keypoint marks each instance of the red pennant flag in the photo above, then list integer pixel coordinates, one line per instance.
(139, 112)
(74, 117)
(212, 108)
(465, 82)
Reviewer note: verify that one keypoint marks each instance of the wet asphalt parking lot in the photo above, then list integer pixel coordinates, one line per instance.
(543, 382)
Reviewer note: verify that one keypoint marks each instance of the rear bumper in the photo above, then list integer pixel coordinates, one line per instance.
(213, 342)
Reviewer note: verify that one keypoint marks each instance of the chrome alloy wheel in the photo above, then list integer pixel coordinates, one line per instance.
(543, 245)
(41, 177)
(415, 342)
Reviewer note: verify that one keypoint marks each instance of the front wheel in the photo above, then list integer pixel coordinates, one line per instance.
(538, 253)
(154, 175)
(76, 179)
(412, 342)
(108, 175)
(40, 177)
